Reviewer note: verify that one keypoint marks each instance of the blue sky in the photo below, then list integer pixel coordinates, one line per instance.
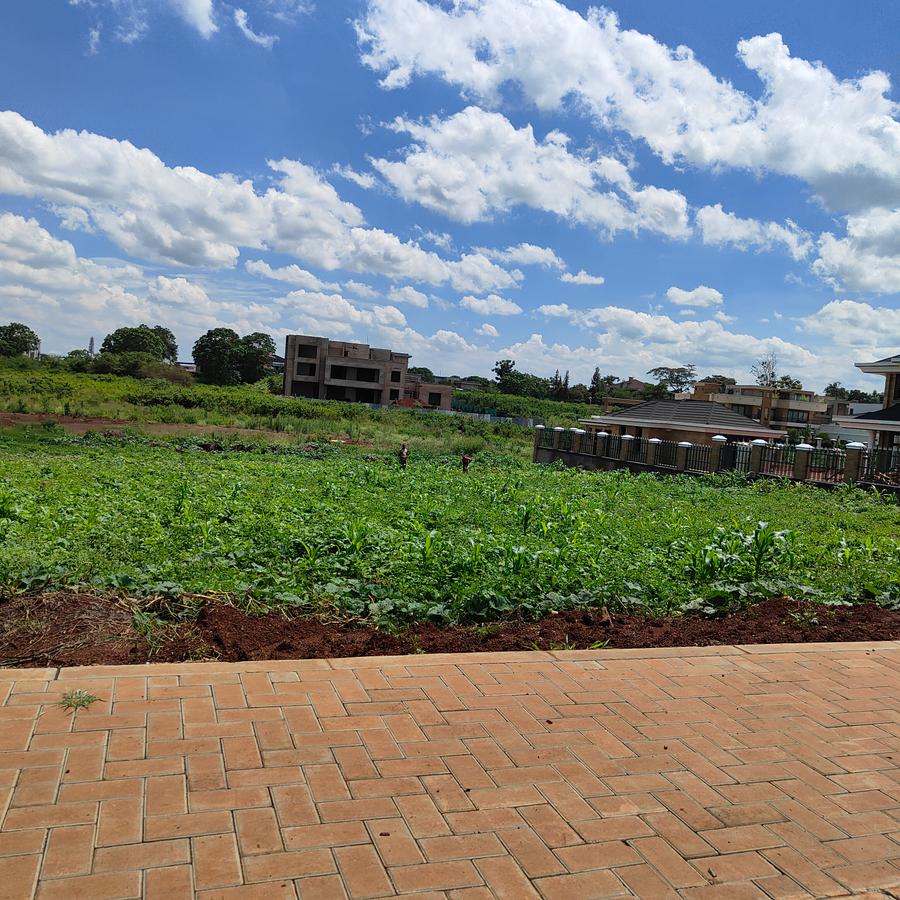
(644, 184)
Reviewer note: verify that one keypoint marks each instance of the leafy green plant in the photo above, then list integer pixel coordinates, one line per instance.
(77, 698)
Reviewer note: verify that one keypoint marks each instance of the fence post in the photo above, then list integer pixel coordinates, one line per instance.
(652, 448)
(577, 439)
(756, 449)
(715, 452)
(602, 442)
(853, 460)
(681, 455)
(625, 446)
(801, 461)
(557, 437)
(538, 437)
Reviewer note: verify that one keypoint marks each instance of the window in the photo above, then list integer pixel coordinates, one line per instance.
(339, 372)
(434, 399)
(307, 351)
(367, 375)
(305, 369)
(395, 394)
(796, 415)
(395, 375)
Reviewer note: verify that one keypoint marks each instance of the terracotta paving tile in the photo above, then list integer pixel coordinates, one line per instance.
(706, 772)
(363, 872)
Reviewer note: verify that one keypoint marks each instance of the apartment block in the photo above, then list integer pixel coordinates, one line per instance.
(321, 369)
(770, 406)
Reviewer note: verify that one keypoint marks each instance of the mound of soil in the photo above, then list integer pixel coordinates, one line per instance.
(69, 629)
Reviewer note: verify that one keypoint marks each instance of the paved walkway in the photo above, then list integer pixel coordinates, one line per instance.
(709, 772)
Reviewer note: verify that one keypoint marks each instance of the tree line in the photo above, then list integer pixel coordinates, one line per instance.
(221, 355)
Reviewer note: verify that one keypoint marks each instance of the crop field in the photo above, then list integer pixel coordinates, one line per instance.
(346, 534)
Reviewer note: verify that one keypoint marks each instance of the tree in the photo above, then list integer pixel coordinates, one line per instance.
(170, 346)
(17, 339)
(253, 356)
(216, 356)
(789, 383)
(836, 389)
(511, 381)
(600, 385)
(579, 393)
(141, 339)
(721, 379)
(765, 370)
(422, 371)
(675, 379)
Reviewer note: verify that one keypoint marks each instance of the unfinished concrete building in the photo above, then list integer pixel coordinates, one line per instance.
(321, 369)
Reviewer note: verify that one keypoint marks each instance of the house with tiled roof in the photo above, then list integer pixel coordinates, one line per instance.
(883, 425)
(682, 420)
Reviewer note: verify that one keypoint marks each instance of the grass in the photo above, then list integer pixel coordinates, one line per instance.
(77, 698)
(343, 532)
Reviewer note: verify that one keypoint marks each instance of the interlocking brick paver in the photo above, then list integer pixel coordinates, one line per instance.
(698, 773)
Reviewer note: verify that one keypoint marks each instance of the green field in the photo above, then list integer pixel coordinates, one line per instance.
(343, 532)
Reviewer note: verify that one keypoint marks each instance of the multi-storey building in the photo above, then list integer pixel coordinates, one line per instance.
(770, 406)
(322, 369)
(882, 425)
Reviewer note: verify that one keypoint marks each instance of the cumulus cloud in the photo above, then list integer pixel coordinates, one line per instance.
(66, 298)
(334, 314)
(839, 135)
(720, 227)
(180, 215)
(410, 295)
(476, 164)
(198, 14)
(364, 179)
(700, 296)
(582, 278)
(868, 258)
(291, 274)
(492, 305)
(853, 324)
(261, 40)
(487, 330)
(525, 254)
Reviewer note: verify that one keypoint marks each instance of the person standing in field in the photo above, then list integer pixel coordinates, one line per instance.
(403, 455)
(466, 459)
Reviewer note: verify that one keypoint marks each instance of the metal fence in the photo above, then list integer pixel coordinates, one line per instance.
(698, 458)
(827, 466)
(817, 465)
(881, 466)
(667, 454)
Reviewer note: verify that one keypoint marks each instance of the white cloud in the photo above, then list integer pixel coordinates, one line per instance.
(723, 317)
(94, 40)
(364, 179)
(358, 289)
(67, 298)
(720, 227)
(525, 255)
(410, 295)
(318, 312)
(582, 278)
(492, 305)
(852, 324)
(198, 14)
(476, 164)
(261, 40)
(180, 215)
(291, 274)
(868, 258)
(487, 330)
(841, 136)
(700, 296)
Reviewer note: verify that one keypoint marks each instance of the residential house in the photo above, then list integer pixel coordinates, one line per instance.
(321, 369)
(682, 420)
(882, 425)
(769, 406)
